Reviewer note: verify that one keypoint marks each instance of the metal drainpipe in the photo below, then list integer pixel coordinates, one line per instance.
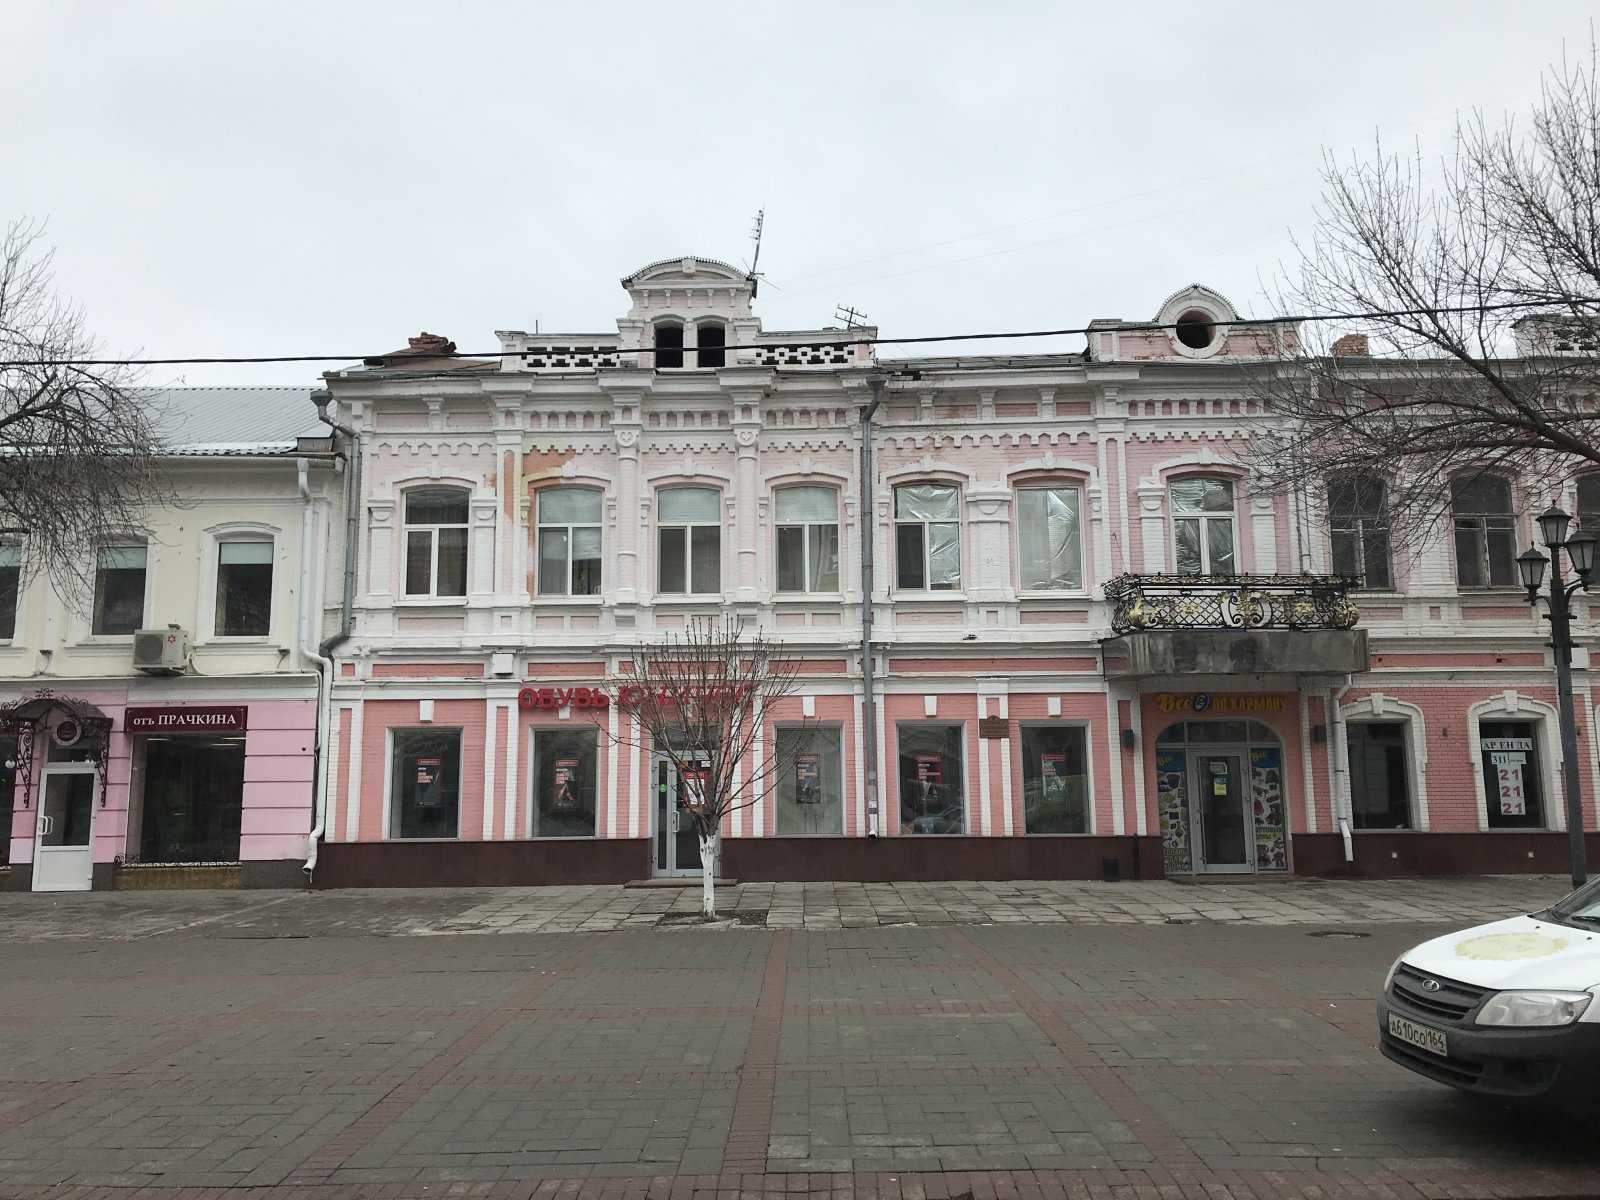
(1343, 806)
(869, 701)
(324, 654)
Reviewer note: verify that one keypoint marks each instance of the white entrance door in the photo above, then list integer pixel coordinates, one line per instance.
(63, 843)
(677, 843)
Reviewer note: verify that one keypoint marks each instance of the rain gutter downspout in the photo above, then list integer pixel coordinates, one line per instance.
(1339, 748)
(869, 699)
(324, 652)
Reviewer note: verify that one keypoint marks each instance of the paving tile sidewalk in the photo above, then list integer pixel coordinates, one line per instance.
(423, 912)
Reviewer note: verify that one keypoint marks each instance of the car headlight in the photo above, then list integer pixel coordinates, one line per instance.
(1534, 1008)
(1388, 980)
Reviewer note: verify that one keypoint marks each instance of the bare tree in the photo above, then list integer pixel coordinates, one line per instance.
(78, 450)
(1488, 267)
(705, 700)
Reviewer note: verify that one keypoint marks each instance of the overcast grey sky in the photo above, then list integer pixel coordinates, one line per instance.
(273, 178)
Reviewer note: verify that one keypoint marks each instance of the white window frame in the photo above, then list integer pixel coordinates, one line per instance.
(540, 525)
(215, 539)
(1051, 486)
(806, 528)
(684, 528)
(1480, 522)
(127, 541)
(1231, 517)
(406, 529)
(12, 539)
(927, 574)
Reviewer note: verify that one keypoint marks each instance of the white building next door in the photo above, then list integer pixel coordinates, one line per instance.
(63, 843)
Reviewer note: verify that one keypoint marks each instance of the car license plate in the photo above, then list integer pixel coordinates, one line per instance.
(1420, 1036)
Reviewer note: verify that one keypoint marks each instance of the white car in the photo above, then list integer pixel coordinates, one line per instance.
(1506, 1009)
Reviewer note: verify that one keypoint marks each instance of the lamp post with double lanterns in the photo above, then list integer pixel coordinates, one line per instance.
(1531, 565)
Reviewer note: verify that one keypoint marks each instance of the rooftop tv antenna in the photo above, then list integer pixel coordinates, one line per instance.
(852, 318)
(755, 258)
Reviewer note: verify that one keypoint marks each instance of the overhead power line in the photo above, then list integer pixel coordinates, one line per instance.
(799, 344)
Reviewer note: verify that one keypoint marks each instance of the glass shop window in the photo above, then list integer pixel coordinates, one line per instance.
(810, 792)
(1512, 778)
(932, 798)
(1380, 784)
(425, 783)
(193, 797)
(564, 766)
(1055, 779)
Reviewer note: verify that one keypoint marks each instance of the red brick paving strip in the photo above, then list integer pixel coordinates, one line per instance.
(750, 1131)
(1152, 1183)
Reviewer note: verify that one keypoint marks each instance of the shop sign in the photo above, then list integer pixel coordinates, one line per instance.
(190, 718)
(1509, 758)
(1221, 705)
(629, 695)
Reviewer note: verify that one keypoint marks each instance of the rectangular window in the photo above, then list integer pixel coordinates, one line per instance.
(436, 542)
(193, 797)
(1359, 522)
(564, 765)
(810, 792)
(1055, 779)
(119, 589)
(1485, 532)
(927, 537)
(10, 590)
(1048, 540)
(932, 798)
(1202, 526)
(689, 541)
(8, 791)
(808, 539)
(569, 541)
(1513, 783)
(1380, 787)
(244, 588)
(425, 783)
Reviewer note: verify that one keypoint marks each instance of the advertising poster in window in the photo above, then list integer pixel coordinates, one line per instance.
(1508, 757)
(565, 786)
(807, 779)
(428, 767)
(692, 787)
(1053, 777)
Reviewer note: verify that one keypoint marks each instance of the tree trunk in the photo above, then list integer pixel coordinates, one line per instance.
(710, 853)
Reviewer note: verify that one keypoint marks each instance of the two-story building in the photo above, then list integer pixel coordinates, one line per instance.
(161, 729)
(1093, 649)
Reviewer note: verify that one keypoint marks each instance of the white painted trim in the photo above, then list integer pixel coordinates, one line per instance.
(1007, 817)
(513, 735)
(1379, 707)
(489, 773)
(860, 767)
(1307, 778)
(611, 777)
(1136, 717)
(352, 816)
(980, 813)
(640, 786)
(1114, 741)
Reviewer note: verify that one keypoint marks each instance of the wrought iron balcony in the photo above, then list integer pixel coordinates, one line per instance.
(1149, 602)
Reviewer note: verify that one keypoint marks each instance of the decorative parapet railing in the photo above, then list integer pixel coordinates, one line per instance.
(1142, 602)
(809, 348)
(566, 352)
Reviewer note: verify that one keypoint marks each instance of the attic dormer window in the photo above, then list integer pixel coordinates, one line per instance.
(1196, 329)
(712, 339)
(669, 344)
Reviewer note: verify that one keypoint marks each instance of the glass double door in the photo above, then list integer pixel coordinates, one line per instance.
(677, 849)
(63, 843)
(1221, 816)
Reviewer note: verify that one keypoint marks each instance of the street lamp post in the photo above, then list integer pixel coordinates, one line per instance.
(1531, 565)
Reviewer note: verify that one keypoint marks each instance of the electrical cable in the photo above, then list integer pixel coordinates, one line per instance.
(810, 343)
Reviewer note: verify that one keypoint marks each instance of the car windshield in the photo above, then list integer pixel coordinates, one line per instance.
(1582, 905)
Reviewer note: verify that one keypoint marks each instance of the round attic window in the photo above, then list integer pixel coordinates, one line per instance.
(1196, 329)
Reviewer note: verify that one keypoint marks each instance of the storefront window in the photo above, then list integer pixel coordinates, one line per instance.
(193, 795)
(1055, 779)
(425, 783)
(932, 799)
(8, 790)
(810, 796)
(244, 588)
(1048, 539)
(1380, 792)
(564, 762)
(119, 589)
(1513, 787)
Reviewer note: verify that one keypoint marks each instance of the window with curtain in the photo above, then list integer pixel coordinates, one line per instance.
(436, 542)
(927, 537)
(1202, 526)
(1358, 517)
(10, 589)
(1486, 531)
(244, 588)
(119, 589)
(1049, 541)
(689, 540)
(808, 539)
(569, 541)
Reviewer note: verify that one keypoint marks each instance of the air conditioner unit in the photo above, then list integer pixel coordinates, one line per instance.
(161, 651)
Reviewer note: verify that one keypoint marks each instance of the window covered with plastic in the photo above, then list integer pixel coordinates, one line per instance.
(1202, 526)
(927, 537)
(1049, 540)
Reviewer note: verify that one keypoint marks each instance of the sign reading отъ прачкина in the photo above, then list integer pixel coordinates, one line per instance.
(187, 718)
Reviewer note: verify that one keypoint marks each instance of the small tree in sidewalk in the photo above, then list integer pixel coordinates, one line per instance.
(703, 701)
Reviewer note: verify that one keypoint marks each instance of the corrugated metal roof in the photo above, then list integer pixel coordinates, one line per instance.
(234, 420)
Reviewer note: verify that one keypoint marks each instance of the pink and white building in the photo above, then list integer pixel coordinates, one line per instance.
(1094, 649)
(163, 730)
